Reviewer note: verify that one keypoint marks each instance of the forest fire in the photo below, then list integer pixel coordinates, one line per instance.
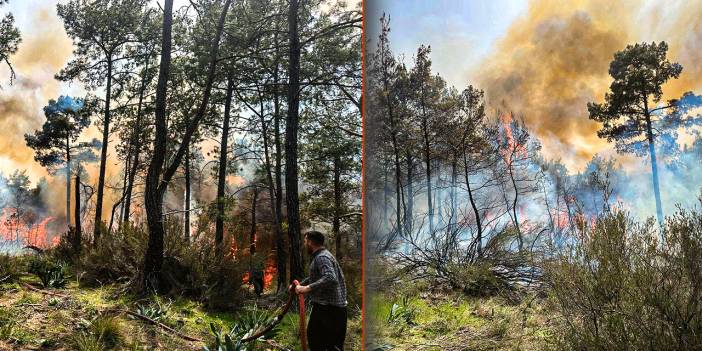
(26, 229)
(269, 272)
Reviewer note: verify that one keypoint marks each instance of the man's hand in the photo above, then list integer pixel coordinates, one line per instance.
(302, 289)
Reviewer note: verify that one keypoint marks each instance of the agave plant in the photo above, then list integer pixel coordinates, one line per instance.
(223, 343)
(157, 310)
(51, 274)
(248, 323)
(402, 313)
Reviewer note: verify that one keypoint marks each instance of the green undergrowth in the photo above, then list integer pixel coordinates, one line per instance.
(91, 319)
(412, 317)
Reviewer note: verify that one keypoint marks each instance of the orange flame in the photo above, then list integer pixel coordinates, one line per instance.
(26, 231)
(268, 272)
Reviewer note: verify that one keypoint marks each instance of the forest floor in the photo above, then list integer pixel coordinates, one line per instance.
(31, 320)
(432, 320)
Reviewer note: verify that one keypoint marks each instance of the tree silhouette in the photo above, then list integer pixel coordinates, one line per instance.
(630, 112)
(56, 145)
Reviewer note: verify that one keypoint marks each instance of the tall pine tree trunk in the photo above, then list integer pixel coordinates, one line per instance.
(77, 234)
(291, 130)
(186, 199)
(336, 222)
(654, 171)
(274, 189)
(153, 195)
(156, 186)
(68, 184)
(252, 233)
(427, 164)
(103, 153)
(137, 142)
(222, 169)
(474, 207)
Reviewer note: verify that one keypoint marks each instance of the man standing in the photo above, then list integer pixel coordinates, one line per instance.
(326, 290)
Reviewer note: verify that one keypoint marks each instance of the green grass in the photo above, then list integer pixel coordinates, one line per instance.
(451, 320)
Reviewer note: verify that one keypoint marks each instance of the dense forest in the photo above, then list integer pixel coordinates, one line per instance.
(478, 241)
(211, 134)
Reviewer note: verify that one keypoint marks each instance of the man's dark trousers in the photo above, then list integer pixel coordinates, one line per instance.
(326, 330)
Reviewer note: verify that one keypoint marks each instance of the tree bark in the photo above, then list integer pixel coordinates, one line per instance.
(137, 142)
(153, 196)
(336, 222)
(103, 153)
(186, 199)
(274, 190)
(68, 184)
(252, 234)
(427, 163)
(222, 169)
(156, 186)
(654, 165)
(474, 206)
(77, 234)
(291, 130)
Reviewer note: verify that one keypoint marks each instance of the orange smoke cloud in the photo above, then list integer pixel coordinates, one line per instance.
(555, 59)
(44, 49)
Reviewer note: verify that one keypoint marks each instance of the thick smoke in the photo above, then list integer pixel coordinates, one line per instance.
(555, 59)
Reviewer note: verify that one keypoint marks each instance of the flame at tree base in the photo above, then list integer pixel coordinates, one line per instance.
(269, 272)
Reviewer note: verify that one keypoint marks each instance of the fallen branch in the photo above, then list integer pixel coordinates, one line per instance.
(45, 292)
(163, 326)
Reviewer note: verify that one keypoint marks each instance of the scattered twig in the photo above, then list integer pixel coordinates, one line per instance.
(163, 326)
(45, 292)
(275, 344)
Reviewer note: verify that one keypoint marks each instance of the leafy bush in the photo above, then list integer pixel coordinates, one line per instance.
(52, 274)
(618, 287)
(116, 257)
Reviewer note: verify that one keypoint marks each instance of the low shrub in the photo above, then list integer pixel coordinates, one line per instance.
(11, 267)
(190, 269)
(618, 287)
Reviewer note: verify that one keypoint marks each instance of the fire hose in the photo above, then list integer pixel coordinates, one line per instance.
(279, 318)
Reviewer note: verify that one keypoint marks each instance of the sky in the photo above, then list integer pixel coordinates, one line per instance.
(459, 32)
(544, 60)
